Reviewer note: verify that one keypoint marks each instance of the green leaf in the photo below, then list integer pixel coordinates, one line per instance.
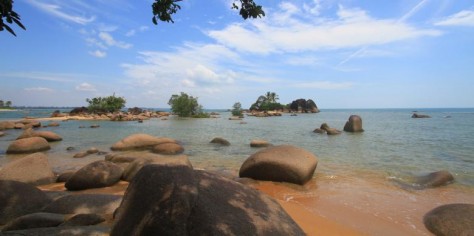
(9, 29)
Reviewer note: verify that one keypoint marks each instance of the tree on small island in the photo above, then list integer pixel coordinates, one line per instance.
(237, 109)
(162, 10)
(106, 104)
(5, 105)
(267, 103)
(184, 105)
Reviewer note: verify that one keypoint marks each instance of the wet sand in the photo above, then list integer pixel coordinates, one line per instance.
(336, 205)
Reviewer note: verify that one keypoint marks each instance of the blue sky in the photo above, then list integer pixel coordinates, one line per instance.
(340, 53)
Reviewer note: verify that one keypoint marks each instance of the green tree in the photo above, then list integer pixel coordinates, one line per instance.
(6, 11)
(237, 109)
(2, 104)
(271, 97)
(8, 104)
(267, 103)
(162, 10)
(106, 104)
(184, 105)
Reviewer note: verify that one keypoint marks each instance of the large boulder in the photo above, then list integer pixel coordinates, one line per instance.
(35, 220)
(283, 163)
(132, 169)
(140, 141)
(84, 204)
(17, 199)
(451, 219)
(97, 174)
(168, 148)
(354, 124)
(175, 200)
(220, 141)
(28, 145)
(32, 169)
(79, 111)
(6, 125)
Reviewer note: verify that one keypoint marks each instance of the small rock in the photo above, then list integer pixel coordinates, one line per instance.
(416, 115)
(220, 141)
(80, 155)
(35, 220)
(260, 143)
(97, 174)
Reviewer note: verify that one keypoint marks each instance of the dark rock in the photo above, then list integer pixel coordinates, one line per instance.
(53, 124)
(319, 131)
(94, 126)
(84, 204)
(135, 111)
(84, 220)
(33, 169)
(451, 219)
(303, 106)
(70, 148)
(34, 220)
(416, 115)
(79, 111)
(92, 150)
(220, 141)
(435, 179)
(63, 177)
(329, 130)
(17, 199)
(28, 145)
(132, 169)
(187, 202)
(61, 231)
(139, 141)
(97, 174)
(168, 148)
(158, 201)
(354, 124)
(259, 143)
(284, 163)
(57, 113)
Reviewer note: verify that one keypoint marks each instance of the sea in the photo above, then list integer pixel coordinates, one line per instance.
(393, 148)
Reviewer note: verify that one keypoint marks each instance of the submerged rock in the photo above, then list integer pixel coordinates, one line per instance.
(416, 115)
(259, 143)
(431, 180)
(221, 141)
(329, 130)
(284, 163)
(451, 219)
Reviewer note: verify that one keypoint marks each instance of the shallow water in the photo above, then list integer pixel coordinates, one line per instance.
(357, 170)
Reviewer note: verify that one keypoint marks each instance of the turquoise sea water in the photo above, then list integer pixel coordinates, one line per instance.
(393, 144)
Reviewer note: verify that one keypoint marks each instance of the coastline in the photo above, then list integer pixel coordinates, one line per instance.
(368, 204)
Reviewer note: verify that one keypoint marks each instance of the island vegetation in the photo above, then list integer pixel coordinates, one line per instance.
(5, 105)
(267, 102)
(237, 109)
(184, 105)
(106, 104)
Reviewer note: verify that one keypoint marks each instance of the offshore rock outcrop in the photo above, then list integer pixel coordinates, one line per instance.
(304, 106)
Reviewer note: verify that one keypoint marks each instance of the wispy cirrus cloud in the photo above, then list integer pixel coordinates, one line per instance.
(39, 89)
(86, 87)
(61, 11)
(462, 18)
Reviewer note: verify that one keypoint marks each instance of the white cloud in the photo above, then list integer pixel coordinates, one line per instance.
(132, 32)
(58, 11)
(86, 87)
(39, 89)
(352, 28)
(39, 76)
(462, 18)
(109, 40)
(98, 53)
